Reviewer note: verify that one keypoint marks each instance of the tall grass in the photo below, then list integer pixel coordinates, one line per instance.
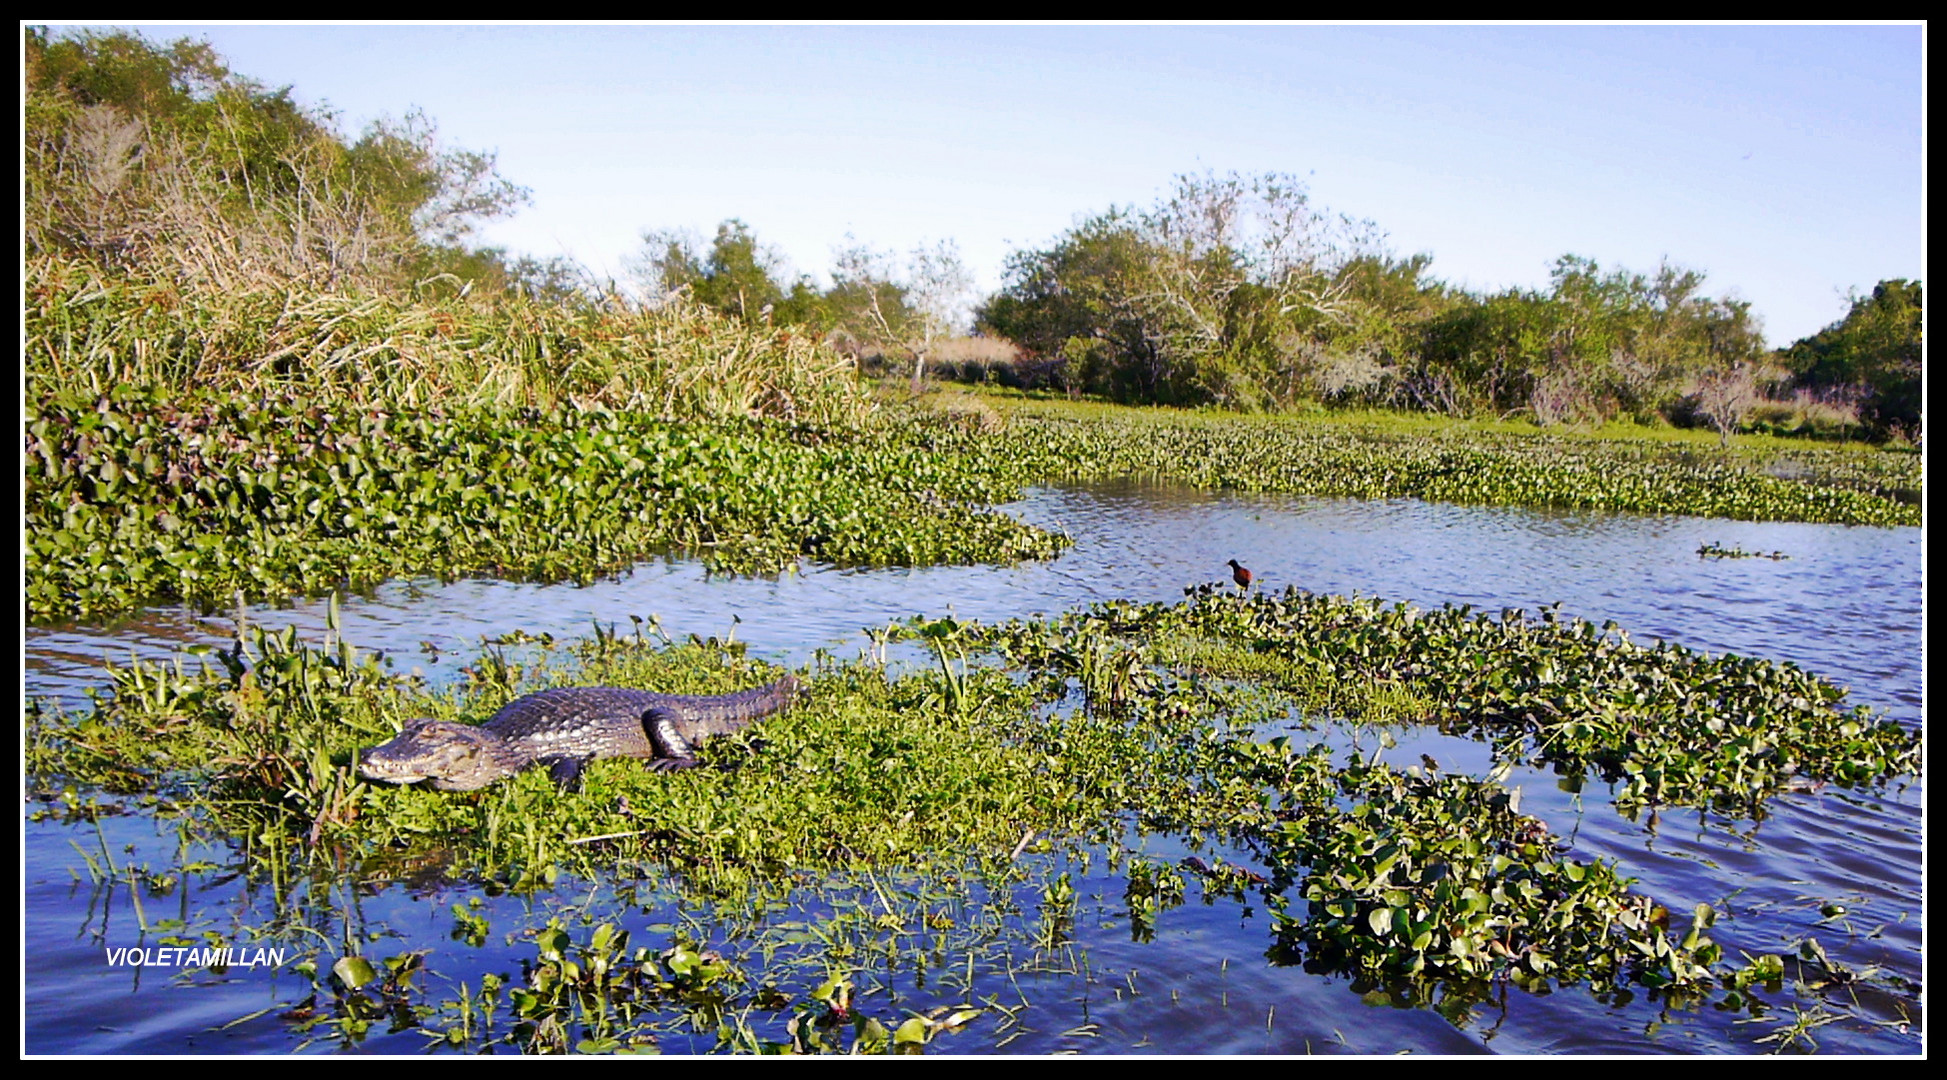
(88, 330)
(148, 198)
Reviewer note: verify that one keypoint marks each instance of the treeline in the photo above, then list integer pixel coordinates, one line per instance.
(158, 164)
(1239, 293)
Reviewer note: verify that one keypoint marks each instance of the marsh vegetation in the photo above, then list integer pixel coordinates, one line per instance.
(262, 362)
(1057, 732)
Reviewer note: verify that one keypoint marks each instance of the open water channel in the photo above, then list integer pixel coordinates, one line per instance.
(1842, 866)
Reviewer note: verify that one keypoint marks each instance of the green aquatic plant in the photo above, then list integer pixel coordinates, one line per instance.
(599, 995)
(1153, 889)
(138, 495)
(1664, 724)
(948, 772)
(1426, 876)
(1467, 464)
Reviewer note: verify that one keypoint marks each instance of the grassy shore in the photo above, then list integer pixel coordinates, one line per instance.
(196, 446)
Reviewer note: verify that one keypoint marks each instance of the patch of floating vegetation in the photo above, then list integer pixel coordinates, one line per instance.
(1714, 550)
(1462, 463)
(884, 821)
(142, 494)
(1664, 724)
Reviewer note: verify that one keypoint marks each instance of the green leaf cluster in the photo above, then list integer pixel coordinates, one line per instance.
(135, 496)
(1663, 724)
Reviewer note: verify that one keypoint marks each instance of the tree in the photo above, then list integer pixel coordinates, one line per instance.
(937, 286)
(1196, 299)
(1875, 348)
(443, 195)
(1072, 302)
(738, 276)
(141, 153)
(123, 70)
(1481, 354)
(894, 306)
(1724, 396)
(1729, 381)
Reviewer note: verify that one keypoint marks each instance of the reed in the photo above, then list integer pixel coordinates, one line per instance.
(89, 330)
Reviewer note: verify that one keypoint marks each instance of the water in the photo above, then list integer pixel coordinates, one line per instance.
(1847, 603)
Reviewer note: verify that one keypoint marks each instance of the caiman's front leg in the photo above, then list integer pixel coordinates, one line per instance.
(566, 771)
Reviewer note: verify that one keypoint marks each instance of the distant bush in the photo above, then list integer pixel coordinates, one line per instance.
(158, 159)
(1830, 414)
(978, 360)
(1874, 355)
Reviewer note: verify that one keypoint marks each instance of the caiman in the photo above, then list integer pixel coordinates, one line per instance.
(565, 729)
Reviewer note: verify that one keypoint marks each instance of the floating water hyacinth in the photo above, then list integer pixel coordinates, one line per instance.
(143, 494)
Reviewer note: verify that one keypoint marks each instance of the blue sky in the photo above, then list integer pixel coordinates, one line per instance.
(1785, 162)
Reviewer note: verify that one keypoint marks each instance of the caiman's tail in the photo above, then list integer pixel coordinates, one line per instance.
(724, 713)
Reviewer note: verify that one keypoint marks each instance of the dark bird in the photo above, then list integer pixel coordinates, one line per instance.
(1240, 575)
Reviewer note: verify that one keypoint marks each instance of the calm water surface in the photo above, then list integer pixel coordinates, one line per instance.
(1846, 604)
